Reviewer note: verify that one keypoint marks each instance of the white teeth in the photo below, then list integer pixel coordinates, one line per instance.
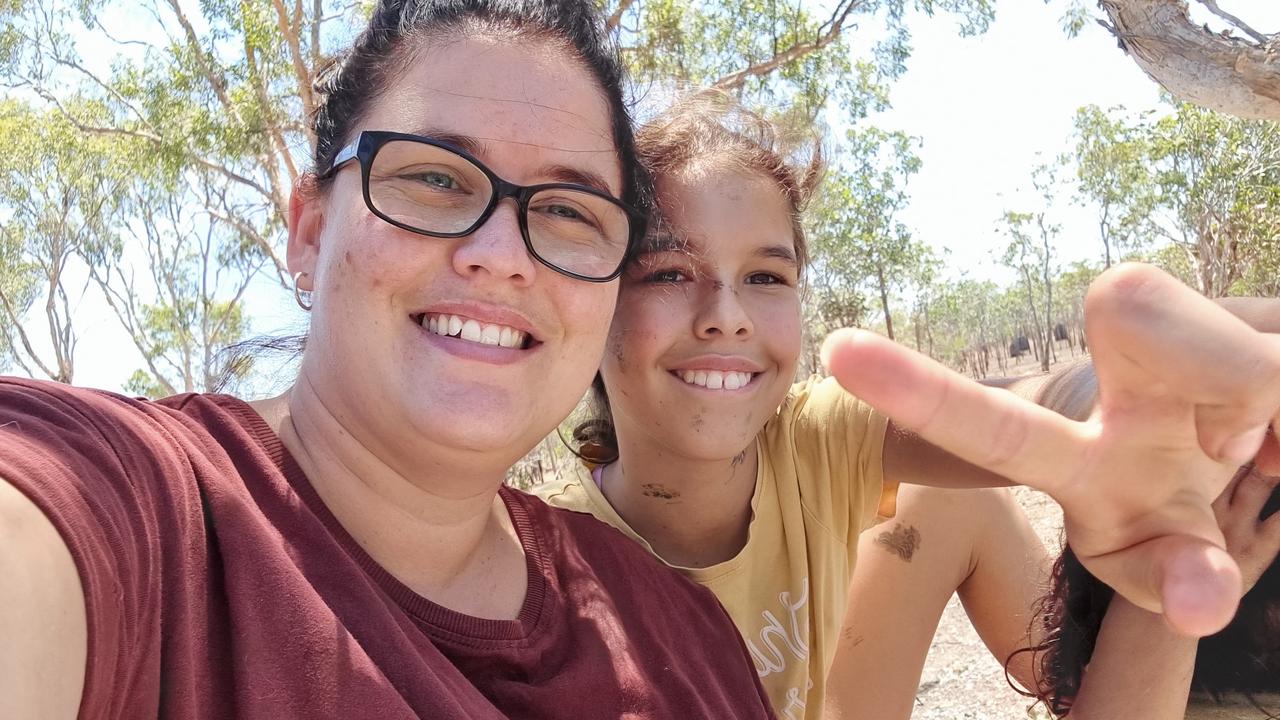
(716, 379)
(474, 331)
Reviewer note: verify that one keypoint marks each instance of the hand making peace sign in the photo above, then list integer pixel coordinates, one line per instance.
(1186, 393)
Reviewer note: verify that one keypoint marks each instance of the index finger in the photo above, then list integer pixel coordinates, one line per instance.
(994, 429)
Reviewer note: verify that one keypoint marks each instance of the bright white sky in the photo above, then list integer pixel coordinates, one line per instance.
(987, 110)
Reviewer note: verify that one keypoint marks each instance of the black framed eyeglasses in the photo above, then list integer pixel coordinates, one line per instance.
(434, 188)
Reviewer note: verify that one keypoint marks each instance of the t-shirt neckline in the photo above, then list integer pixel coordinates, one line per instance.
(592, 485)
(438, 618)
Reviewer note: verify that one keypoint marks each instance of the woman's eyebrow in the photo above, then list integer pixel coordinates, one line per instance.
(473, 145)
(577, 176)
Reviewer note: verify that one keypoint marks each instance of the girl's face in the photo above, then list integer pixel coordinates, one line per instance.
(707, 333)
(404, 391)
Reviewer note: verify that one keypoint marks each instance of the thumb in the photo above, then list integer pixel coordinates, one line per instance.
(1193, 582)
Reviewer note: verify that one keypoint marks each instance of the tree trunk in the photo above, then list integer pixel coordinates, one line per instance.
(1216, 70)
(884, 301)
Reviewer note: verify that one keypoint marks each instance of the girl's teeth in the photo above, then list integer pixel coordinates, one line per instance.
(715, 379)
(474, 331)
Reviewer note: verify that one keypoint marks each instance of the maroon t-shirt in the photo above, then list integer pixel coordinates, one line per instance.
(218, 585)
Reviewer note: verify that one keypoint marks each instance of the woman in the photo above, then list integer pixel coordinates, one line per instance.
(709, 457)
(346, 549)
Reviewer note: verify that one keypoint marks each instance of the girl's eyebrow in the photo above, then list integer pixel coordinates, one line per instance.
(664, 241)
(780, 252)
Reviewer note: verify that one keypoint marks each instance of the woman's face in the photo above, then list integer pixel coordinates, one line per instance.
(707, 334)
(532, 114)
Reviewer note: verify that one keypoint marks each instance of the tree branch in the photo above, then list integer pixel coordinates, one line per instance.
(827, 34)
(290, 32)
(1212, 5)
(615, 18)
(1220, 72)
(216, 82)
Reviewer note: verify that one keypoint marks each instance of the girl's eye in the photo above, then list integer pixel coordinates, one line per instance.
(764, 278)
(665, 276)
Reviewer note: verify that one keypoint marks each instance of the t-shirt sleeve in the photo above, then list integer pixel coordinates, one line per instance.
(80, 457)
(838, 443)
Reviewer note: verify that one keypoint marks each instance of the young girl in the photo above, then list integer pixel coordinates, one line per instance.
(714, 461)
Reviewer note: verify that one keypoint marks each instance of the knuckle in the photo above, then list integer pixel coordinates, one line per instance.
(1122, 289)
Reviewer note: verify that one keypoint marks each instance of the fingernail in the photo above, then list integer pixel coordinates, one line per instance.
(1241, 448)
(824, 355)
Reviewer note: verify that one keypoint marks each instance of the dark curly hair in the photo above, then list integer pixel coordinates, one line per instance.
(1243, 658)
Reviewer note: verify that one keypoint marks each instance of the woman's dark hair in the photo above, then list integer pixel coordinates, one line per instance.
(710, 129)
(350, 82)
(1243, 658)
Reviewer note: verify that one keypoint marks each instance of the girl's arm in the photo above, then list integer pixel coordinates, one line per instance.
(977, 543)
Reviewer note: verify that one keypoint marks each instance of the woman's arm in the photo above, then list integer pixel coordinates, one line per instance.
(42, 615)
(1140, 668)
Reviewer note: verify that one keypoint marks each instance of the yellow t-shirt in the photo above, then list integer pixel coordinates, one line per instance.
(819, 483)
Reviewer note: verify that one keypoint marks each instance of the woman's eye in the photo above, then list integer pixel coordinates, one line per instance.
(562, 211)
(444, 181)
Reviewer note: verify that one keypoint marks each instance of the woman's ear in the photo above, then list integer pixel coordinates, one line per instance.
(306, 221)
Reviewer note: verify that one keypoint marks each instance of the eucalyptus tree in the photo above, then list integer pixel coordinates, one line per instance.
(1113, 173)
(60, 198)
(209, 102)
(1219, 204)
(1031, 253)
(1232, 68)
(860, 234)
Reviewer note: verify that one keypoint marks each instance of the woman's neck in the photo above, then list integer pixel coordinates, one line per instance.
(693, 513)
(445, 535)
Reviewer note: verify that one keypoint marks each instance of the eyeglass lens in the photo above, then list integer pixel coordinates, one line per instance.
(438, 191)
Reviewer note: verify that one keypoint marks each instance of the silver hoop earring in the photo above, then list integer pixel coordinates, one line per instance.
(300, 296)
